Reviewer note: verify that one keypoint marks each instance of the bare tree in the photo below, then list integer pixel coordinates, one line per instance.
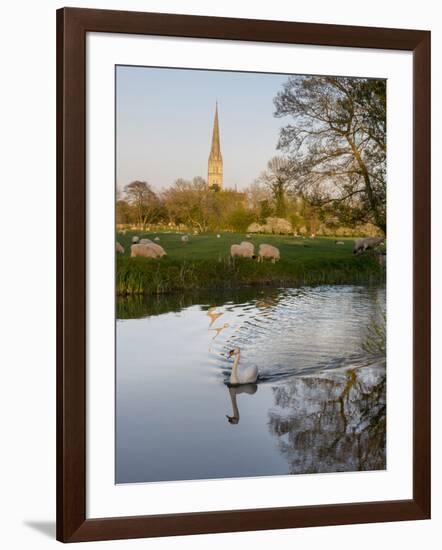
(139, 194)
(188, 202)
(255, 194)
(278, 178)
(336, 141)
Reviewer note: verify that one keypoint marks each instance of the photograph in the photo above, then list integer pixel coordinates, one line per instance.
(220, 345)
(250, 282)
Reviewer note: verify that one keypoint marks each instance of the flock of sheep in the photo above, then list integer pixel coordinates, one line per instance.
(147, 248)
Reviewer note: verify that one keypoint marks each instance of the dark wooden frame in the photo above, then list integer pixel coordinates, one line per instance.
(72, 26)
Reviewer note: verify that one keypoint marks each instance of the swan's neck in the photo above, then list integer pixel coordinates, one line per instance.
(233, 376)
(235, 409)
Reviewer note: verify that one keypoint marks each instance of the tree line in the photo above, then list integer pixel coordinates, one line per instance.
(331, 170)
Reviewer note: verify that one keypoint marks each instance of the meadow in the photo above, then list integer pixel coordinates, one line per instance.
(204, 263)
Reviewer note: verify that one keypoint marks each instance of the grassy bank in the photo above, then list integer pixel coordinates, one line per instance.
(204, 263)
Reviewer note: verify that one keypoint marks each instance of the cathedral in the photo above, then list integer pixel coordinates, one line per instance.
(215, 169)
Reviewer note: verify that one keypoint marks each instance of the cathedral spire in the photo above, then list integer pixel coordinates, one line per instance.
(215, 168)
(216, 150)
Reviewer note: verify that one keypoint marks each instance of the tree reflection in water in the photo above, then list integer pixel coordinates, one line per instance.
(332, 422)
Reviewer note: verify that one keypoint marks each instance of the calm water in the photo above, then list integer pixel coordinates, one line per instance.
(318, 406)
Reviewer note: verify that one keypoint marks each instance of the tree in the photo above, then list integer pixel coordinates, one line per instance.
(278, 177)
(123, 212)
(188, 202)
(240, 219)
(146, 204)
(336, 142)
(255, 194)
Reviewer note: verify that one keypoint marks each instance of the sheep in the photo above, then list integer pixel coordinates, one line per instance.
(268, 251)
(185, 238)
(159, 249)
(135, 239)
(339, 242)
(248, 236)
(250, 246)
(241, 251)
(145, 241)
(156, 239)
(147, 251)
(361, 245)
(142, 250)
(218, 236)
(119, 248)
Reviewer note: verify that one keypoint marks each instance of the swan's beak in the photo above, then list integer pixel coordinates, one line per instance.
(232, 419)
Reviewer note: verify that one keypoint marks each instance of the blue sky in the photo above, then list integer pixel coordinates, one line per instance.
(165, 119)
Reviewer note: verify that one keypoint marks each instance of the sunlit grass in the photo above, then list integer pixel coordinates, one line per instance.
(204, 262)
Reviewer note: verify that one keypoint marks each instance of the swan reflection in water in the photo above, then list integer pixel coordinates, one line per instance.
(233, 392)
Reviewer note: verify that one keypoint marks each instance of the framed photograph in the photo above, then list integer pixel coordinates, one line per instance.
(243, 274)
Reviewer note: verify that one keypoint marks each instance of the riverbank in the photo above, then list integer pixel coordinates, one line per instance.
(204, 263)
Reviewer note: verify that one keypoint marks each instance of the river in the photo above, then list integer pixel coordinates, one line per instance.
(318, 405)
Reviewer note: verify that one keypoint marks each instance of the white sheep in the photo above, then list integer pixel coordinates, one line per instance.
(158, 248)
(250, 246)
(147, 251)
(135, 239)
(119, 247)
(218, 236)
(156, 239)
(339, 242)
(185, 238)
(145, 241)
(361, 245)
(248, 236)
(240, 251)
(268, 251)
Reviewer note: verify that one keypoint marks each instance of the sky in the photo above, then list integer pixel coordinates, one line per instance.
(165, 120)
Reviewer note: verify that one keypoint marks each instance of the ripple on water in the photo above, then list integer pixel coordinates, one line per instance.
(299, 331)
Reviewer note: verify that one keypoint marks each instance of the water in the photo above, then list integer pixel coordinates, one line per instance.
(318, 406)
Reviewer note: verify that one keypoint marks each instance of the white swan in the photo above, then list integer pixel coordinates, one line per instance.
(241, 375)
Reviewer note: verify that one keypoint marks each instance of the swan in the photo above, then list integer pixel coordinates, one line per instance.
(241, 375)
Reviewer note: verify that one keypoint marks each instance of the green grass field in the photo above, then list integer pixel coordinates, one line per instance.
(204, 262)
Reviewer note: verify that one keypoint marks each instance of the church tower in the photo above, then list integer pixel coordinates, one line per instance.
(215, 170)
